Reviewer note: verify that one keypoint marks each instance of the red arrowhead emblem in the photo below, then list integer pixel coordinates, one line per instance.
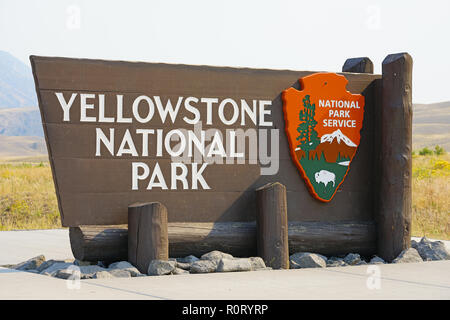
(323, 124)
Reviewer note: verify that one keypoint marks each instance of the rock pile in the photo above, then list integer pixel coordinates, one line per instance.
(431, 250)
(85, 270)
(313, 260)
(217, 261)
(424, 250)
(214, 261)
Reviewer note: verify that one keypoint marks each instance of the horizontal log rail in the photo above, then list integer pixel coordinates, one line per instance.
(110, 243)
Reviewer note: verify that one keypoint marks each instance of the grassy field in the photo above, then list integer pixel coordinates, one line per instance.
(27, 197)
(28, 201)
(431, 196)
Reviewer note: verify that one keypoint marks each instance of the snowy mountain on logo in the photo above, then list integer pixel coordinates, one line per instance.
(338, 135)
(332, 149)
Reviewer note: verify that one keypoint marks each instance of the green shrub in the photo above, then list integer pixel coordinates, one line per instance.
(425, 152)
(439, 151)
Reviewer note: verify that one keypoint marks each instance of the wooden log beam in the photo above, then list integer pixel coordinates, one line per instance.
(333, 238)
(358, 65)
(272, 226)
(147, 234)
(236, 238)
(394, 214)
(110, 243)
(99, 243)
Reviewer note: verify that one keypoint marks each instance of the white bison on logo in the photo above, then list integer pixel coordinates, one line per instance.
(324, 176)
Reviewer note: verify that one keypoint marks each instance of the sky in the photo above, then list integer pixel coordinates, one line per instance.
(297, 35)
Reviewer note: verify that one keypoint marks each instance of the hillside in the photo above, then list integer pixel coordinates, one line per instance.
(21, 122)
(22, 147)
(431, 125)
(16, 83)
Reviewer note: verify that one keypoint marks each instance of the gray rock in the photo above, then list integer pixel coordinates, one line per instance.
(334, 258)
(102, 275)
(431, 250)
(84, 263)
(376, 260)
(184, 266)
(360, 263)
(293, 258)
(54, 267)
(125, 265)
(204, 266)
(46, 264)
(307, 260)
(336, 262)
(63, 273)
(66, 273)
(216, 255)
(161, 267)
(322, 256)
(232, 265)
(120, 265)
(257, 263)
(188, 259)
(87, 272)
(91, 269)
(120, 273)
(49, 263)
(30, 264)
(32, 271)
(178, 271)
(407, 256)
(352, 259)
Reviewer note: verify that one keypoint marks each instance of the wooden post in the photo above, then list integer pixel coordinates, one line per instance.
(358, 65)
(272, 226)
(394, 216)
(147, 234)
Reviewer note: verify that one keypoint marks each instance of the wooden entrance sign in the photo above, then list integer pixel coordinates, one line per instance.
(114, 131)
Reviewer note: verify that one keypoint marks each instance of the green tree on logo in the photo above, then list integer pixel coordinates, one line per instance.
(307, 137)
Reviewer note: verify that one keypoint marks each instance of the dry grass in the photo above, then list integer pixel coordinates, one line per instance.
(27, 197)
(28, 201)
(431, 196)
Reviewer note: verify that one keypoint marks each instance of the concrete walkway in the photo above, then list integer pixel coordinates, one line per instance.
(427, 280)
(18, 246)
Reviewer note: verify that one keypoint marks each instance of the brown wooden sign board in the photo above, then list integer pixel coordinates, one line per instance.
(96, 189)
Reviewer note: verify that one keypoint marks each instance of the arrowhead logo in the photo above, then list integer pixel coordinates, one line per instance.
(323, 124)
